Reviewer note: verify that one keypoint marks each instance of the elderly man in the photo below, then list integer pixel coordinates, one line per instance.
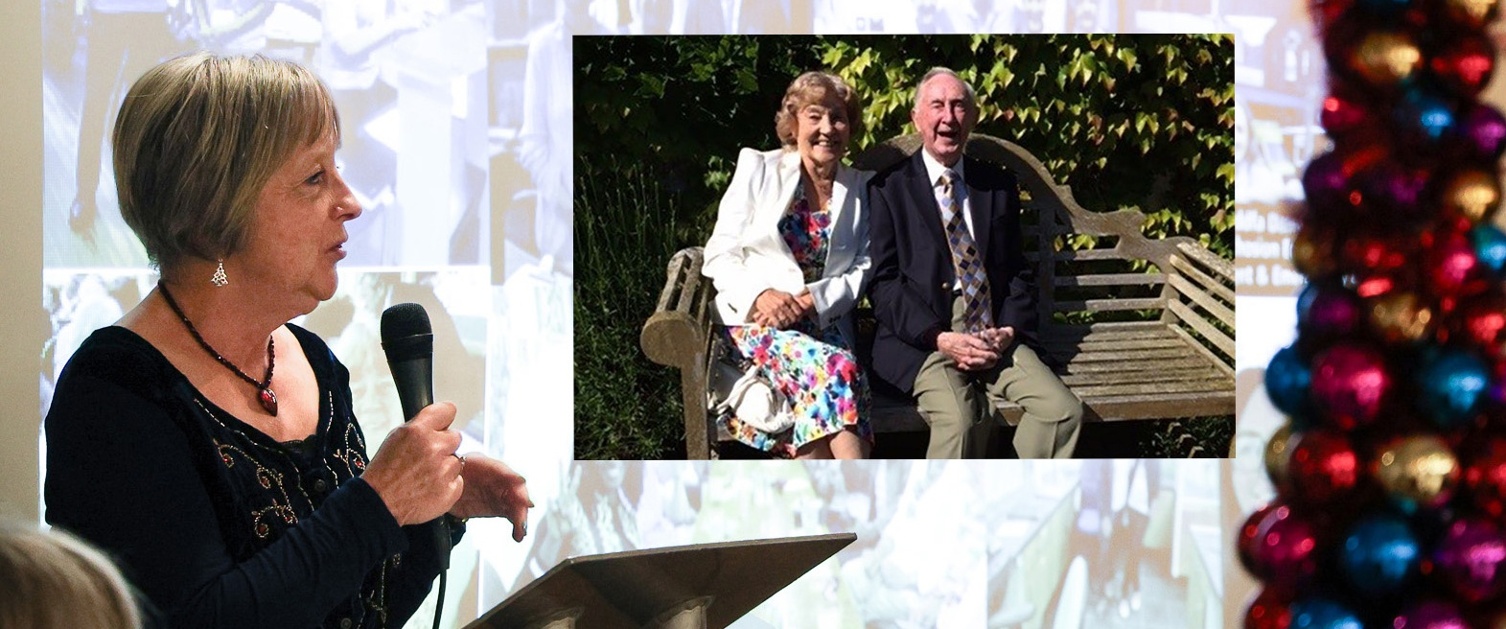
(952, 290)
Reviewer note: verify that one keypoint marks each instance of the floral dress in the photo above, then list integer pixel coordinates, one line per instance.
(814, 368)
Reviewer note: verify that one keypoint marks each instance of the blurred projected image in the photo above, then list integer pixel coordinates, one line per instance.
(458, 305)
(457, 302)
(1037, 544)
(973, 16)
(408, 76)
(77, 304)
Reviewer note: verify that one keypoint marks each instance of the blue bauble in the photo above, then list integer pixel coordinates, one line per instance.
(1316, 612)
(1379, 555)
(1451, 384)
(1305, 299)
(1431, 115)
(1288, 382)
(1490, 246)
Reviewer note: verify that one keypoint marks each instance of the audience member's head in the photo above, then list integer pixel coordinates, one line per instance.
(51, 580)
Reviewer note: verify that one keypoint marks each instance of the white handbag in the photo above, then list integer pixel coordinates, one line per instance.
(754, 401)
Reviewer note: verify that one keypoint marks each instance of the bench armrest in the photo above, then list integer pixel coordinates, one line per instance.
(1204, 300)
(677, 335)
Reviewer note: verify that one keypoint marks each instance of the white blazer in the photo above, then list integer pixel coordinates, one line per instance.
(746, 254)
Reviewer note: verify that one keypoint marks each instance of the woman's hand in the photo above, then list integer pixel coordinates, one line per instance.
(492, 489)
(777, 309)
(416, 472)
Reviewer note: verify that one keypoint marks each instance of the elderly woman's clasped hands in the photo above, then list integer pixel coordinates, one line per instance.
(778, 309)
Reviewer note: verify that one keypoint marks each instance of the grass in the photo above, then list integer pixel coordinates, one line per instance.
(626, 407)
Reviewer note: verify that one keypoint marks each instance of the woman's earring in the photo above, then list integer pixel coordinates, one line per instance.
(219, 278)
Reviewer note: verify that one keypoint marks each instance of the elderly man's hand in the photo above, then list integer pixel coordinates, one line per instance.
(969, 351)
(492, 489)
(998, 338)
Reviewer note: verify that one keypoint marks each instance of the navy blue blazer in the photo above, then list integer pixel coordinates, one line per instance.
(913, 273)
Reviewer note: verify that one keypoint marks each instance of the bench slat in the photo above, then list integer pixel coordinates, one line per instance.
(1214, 335)
(1092, 346)
(1200, 372)
(1125, 329)
(1186, 360)
(1222, 312)
(1108, 305)
(1082, 254)
(1223, 291)
(1224, 364)
(1224, 268)
(1112, 279)
(1136, 355)
(1154, 388)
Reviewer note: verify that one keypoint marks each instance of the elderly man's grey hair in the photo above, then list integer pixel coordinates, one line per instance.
(972, 96)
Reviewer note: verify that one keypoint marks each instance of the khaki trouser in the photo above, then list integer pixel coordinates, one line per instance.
(951, 402)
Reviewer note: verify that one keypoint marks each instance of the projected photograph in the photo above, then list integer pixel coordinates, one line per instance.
(1110, 256)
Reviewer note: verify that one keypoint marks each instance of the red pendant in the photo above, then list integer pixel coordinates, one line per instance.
(268, 400)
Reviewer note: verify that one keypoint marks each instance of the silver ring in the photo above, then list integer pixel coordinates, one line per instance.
(461, 458)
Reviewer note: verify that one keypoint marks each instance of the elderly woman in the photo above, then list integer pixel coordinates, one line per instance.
(206, 442)
(789, 258)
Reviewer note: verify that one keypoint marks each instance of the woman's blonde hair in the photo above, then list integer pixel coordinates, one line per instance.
(811, 88)
(51, 580)
(198, 137)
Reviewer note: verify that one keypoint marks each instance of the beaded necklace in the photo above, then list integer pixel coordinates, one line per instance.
(264, 392)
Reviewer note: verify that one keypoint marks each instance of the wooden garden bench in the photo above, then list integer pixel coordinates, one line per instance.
(1167, 354)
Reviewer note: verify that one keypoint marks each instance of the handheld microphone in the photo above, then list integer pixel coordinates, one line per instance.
(408, 340)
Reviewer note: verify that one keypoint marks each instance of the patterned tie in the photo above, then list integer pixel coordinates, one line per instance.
(977, 314)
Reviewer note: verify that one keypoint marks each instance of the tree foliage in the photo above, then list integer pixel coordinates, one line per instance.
(678, 108)
(1141, 121)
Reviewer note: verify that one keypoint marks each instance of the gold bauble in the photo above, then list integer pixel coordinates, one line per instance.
(1313, 252)
(1386, 58)
(1420, 470)
(1278, 454)
(1472, 194)
(1472, 13)
(1400, 317)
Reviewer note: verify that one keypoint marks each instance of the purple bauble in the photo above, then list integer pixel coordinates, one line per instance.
(1393, 186)
(1324, 182)
(1471, 559)
(1485, 130)
(1349, 385)
(1333, 311)
(1430, 615)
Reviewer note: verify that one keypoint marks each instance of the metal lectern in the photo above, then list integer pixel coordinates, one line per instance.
(681, 587)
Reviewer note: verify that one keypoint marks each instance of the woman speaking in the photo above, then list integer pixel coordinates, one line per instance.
(206, 442)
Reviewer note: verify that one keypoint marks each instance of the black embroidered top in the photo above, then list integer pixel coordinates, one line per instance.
(212, 521)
